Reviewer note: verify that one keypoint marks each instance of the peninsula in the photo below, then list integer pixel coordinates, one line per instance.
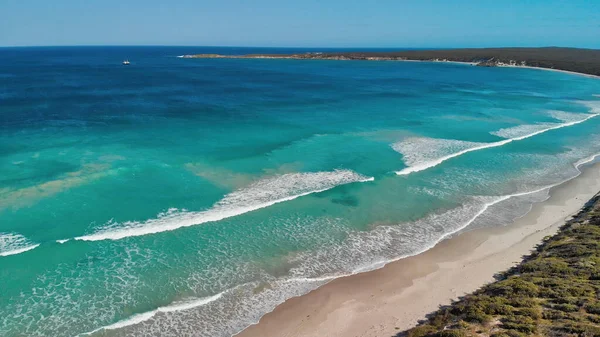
(584, 61)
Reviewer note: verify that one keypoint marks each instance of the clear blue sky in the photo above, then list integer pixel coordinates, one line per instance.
(289, 23)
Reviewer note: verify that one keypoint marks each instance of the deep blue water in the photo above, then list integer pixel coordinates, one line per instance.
(177, 197)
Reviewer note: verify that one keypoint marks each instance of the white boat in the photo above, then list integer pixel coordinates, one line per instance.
(126, 62)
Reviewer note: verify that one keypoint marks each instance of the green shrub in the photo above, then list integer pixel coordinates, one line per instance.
(463, 325)
(509, 333)
(566, 300)
(566, 307)
(593, 308)
(514, 286)
(533, 313)
(477, 316)
(421, 331)
(440, 319)
(526, 328)
(594, 319)
(554, 292)
(518, 319)
(451, 333)
(546, 265)
(498, 309)
(523, 302)
(551, 314)
(580, 329)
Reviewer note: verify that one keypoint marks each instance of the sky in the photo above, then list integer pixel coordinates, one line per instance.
(302, 23)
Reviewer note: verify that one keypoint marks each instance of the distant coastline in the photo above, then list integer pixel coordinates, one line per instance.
(570, 60)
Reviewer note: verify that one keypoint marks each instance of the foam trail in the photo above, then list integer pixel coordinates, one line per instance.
(521, 130)
(467, 223)
(12, 244)
(429, 164)
(577, 165)
(139, 318)
(261, 194)
(294, 284)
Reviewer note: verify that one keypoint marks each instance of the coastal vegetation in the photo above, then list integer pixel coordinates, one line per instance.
(555, 291)
(585, 61)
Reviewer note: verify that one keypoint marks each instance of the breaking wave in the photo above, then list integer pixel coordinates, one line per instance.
(12, 244)
(142, 317)
(261, 194)
(423, 153)
(243, 305)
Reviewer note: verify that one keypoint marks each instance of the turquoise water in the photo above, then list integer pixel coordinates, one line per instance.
(188, 197)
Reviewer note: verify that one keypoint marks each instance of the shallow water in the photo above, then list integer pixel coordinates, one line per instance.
(181, 197)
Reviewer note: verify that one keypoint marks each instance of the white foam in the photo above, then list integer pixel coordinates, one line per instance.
(381, 237)
(526, 129)
(416, 166)
(417, 150)
(261, 194)
(139, 318)
(593, 105)
(358, 246)
(12, 244)
(566, 117)
(521, 130)
(499, 199)
(238, 309)
(586, 160)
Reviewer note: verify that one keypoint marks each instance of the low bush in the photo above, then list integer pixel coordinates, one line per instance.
(421, 331)
(593, 308)
(451, 333)
(566, 307)
(553, 292)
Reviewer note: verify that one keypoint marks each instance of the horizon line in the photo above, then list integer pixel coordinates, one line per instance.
(284, 47)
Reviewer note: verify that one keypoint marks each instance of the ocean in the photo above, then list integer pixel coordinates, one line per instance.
(189, 197)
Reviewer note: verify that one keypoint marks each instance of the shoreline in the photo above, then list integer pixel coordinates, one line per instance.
(396, 297)
(342, 57)
(552, 69)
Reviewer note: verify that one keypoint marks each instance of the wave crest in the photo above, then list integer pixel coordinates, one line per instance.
(261, 194)
(437, 151)
(12, 244)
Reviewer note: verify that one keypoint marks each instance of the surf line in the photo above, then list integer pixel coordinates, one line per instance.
(194, 303)
(498, 199)
(141, 317)
(433, 163)
(218, 212)
(19, 251)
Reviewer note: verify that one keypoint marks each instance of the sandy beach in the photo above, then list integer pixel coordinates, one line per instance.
(550, 69)
(394, 298)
